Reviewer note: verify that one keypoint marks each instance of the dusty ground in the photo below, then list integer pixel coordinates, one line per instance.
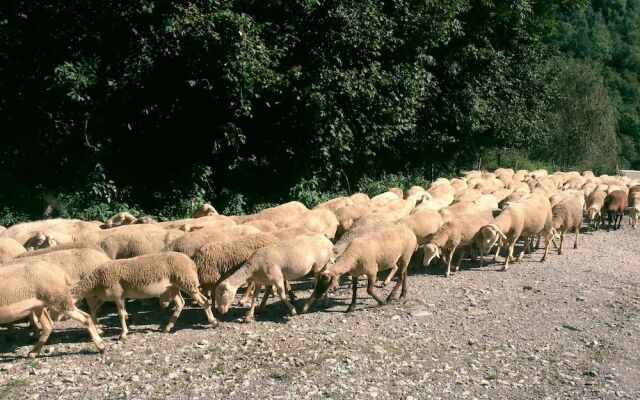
(565, 329)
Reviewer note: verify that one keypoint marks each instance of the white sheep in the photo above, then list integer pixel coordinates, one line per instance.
(525, 218)
(161, 275)
(459, 232)
(567, 215)
(204, 210)
(35, 287)
(388, 248)
(272, 265)
(9, 248)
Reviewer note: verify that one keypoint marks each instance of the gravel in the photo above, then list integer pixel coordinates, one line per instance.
(566, 328)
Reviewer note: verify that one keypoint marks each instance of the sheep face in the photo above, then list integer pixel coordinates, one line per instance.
(41, 241)
(431, 251)
(489, 236)
(224, 297)
(594, 213)
(326, 280)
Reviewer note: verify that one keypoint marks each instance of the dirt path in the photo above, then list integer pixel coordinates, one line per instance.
(566, 328)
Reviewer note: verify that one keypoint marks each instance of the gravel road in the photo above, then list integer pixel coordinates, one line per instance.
(567, 328)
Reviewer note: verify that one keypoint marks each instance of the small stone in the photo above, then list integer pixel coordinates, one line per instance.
(395, 318)
(203, 342)
(135, 378)
(580, 299)
(420, 313)
(472, 341)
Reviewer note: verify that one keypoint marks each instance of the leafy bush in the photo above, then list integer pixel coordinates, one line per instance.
(374, 187)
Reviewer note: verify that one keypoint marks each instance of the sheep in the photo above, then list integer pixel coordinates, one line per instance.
(2, 229)
(215, 261)
(383, 198)
(458, 184)
(458, 209)
(423, 223)
(204, 210)
(615, 204)
(467, 195)
(594, 204)
(121, 218)
(633, 207)
(416, 190)
(566, 215)
(77, 263)
(334, 204)
(34, 288)
(319, 221)
(515, 196)
(72, 227)
(130, 240)
(262, 224)
(42, 240)
(291, 232)
(501, 194)
(459, 232)
(347, 215)
(387, 248)
(10, 248)
(192, 241)
(278, 214)
(272, 265)
(161, 275)
(524, 218)
(486, 202)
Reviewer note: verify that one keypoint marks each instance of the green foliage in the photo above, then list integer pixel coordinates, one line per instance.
(374, 187)
(309, 192)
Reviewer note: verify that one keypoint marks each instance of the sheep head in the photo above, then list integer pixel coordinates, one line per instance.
(431, 251)
(40, 241)
(326, 281)
(489, 236)
(593, 213)
(225, 294)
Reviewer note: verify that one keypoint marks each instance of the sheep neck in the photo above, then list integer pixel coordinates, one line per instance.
(242, 275)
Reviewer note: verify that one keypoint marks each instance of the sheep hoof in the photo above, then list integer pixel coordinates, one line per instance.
(122, 338)
(248, 320)
(350, 309)
(168, 328)
(101, 347)
(293, 313)
(32, 354)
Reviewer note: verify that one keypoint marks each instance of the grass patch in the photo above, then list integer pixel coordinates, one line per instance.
(492, 376)
(219, 368)
(7, 388)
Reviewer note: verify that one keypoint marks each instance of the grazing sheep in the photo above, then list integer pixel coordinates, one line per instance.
(416, 190)
(389, 248)
(423, 223)
(10, 248)
(594, 205)
(205, 210)
(161, 275)
(347, 215)
(634, 207)
(35, 287)
(128, 241)
(216, 261)
(272, 265)
(457, 210)
(121, 218)
(567, 215)
(334, 205)
(515, 196)
(383, 198)
(614, 204)
(486, 202)
(278, 214)
(524, 218)
(190, 242)
(459, 232)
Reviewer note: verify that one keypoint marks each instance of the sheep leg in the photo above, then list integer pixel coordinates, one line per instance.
(202, 301)
(512, 245)
(292, 295)
(122, 313)
(247, 292)
(460, 259)
(94, 304)
(33, 323)
(266, 296)
(538, 242)
(256, 293)
(371, 280)
(449, 259)
(403, 292)
(620, 215)
(527, 239)
(47, 327)
(393, 271)
(495, 258)
(575, 244)
(85, 319)
(354, 294)
(283, 296)
(395, 289)
(176, 312)
(561, 243)
(547, 240)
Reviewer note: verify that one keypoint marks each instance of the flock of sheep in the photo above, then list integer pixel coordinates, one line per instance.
(47, 267)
